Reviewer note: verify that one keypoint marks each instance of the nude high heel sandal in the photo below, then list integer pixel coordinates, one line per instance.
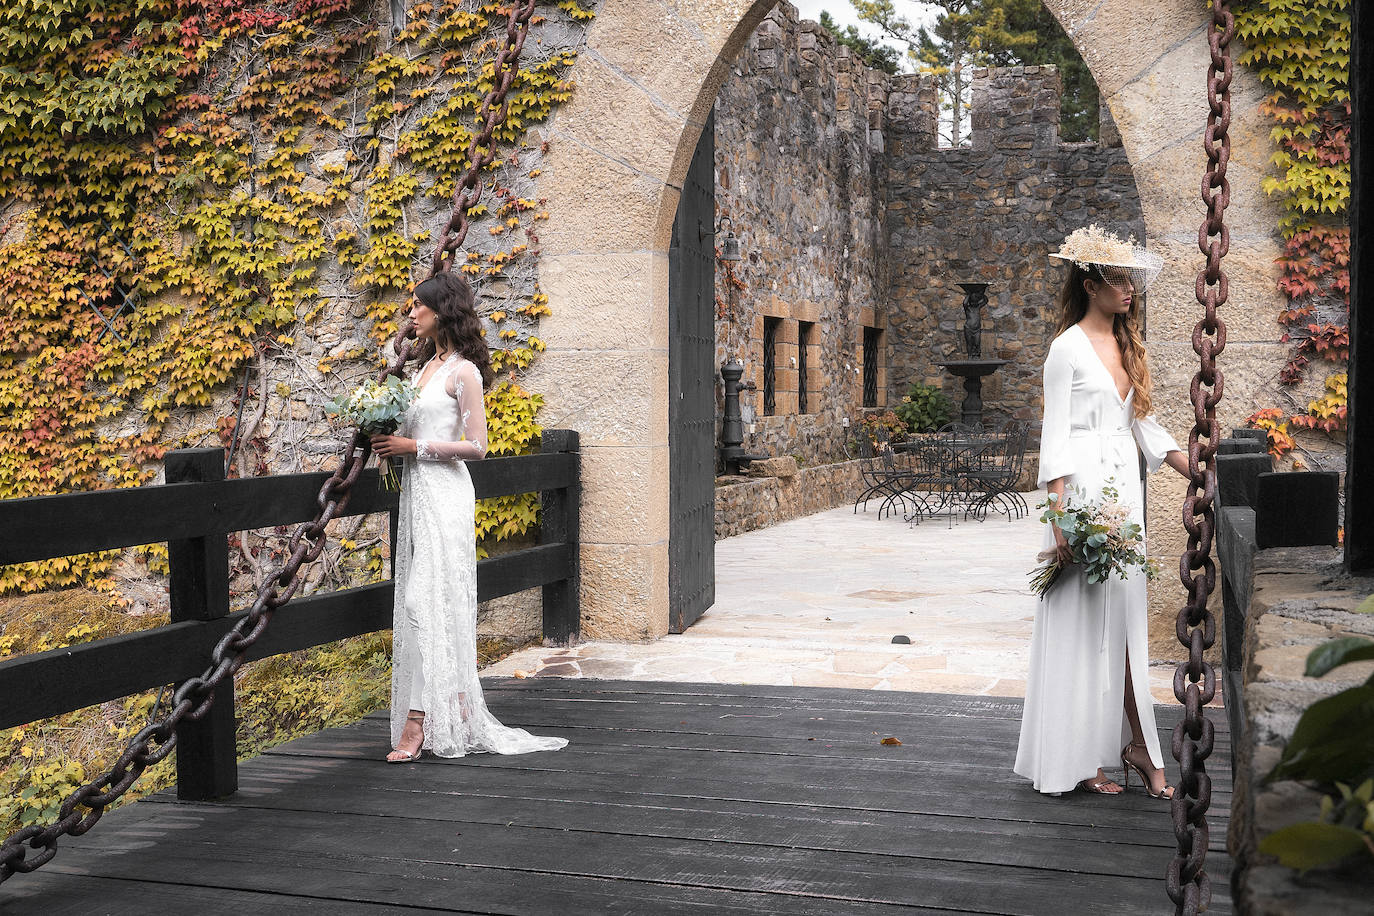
(1127, 765)
(409, 756)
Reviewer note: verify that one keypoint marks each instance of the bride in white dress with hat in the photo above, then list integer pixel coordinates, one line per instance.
(1088, 703)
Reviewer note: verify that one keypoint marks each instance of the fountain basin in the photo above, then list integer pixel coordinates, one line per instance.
(973, 368)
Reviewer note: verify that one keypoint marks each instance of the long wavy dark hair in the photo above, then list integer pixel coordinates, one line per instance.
(458, 328)
(1073, 305)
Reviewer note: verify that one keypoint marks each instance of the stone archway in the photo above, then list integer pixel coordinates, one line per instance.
(646, 79)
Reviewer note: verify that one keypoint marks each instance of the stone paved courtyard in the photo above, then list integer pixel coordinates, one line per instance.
(816, 602)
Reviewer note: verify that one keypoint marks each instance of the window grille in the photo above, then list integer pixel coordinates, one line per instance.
(872, 347)
(804, 332)
(770, 350)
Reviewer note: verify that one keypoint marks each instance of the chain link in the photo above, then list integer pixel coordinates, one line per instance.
(193, 698)
(1195, 682)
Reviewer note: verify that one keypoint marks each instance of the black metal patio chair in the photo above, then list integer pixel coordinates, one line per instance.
(992, 481)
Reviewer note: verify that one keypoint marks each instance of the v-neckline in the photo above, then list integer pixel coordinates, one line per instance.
(1110, 377)
(425, 384)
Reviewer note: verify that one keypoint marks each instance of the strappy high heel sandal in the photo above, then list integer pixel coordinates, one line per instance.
(1127, 765)
(1100, 785)
(409, 756)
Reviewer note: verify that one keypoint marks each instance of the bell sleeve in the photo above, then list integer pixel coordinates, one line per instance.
(1056, 457)
(1154, 441)
(464, 385)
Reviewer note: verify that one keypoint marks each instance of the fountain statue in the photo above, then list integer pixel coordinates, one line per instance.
(972, 369)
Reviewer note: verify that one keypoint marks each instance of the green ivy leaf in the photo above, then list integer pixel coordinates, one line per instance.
(1338, 652)
(1310, 844)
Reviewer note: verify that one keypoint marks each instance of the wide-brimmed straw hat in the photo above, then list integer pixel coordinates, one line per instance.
(1118, 260)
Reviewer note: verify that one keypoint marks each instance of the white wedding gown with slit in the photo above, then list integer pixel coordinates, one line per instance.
(434, 623)
(1074, 719)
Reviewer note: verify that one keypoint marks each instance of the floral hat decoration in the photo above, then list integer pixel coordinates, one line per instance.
(1120, 261)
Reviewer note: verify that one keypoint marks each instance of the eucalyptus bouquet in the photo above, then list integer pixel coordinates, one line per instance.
(376, 408)
(1101, 535)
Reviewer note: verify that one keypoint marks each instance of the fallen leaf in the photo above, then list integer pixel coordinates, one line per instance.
(890, 741)
(523, 674)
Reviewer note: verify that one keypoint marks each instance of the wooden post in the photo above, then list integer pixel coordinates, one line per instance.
(1359, 465)
(560, 523)
(207, 763)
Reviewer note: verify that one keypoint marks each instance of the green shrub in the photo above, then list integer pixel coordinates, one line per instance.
(925, 408)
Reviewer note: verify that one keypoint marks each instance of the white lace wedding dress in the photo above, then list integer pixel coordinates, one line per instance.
(434, 625)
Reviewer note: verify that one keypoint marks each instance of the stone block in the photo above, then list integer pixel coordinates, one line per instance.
(616, 301)
(612, 397)
(782, 466)
(631, 493)
(624, 591)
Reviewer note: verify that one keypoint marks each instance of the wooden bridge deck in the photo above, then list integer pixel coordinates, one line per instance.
(672, 798)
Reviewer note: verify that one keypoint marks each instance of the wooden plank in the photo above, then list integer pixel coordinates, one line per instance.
(198, 589)
(60, 890)
(266, 836)
(509, 475)
(366, 885)
(560, 523)
(76, 523)
(913, 786)
(50, 683)
(980, 836)
(522, 569)
(626, 821)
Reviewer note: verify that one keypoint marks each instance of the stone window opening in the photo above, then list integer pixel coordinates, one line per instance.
(806, 340)
(872, 358)
(770, 368)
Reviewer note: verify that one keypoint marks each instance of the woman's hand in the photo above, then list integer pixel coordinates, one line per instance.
(1063, 553)
(392, 446)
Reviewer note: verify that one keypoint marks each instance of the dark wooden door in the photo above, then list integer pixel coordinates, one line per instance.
(691, 392)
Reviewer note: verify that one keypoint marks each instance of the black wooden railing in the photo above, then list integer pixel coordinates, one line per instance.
(194, 512)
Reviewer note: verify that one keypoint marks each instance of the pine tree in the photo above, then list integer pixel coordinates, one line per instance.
(872, 52)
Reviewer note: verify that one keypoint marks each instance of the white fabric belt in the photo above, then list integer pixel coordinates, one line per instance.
(1116, 445)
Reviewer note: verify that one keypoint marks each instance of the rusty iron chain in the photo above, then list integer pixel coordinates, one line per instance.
(193, 698)
(1195, 681)
(481, 149)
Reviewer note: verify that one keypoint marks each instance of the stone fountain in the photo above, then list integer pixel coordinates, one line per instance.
(974, 368)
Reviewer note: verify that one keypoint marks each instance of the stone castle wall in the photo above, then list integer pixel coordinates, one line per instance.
(800, 175)
(849, 217)
(990, 213)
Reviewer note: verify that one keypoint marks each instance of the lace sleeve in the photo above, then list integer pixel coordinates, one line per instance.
(464, 385)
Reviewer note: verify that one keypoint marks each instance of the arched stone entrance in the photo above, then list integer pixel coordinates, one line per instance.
(621, 148)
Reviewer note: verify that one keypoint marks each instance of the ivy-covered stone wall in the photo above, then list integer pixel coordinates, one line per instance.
(212, 214)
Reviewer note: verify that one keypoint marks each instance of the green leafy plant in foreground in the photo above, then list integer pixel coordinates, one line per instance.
(1333, 746)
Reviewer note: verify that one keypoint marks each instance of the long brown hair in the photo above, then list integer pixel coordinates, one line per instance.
(1073, 305)
(457, 327)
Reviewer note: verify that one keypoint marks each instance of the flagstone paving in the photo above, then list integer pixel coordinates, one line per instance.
(816, 602)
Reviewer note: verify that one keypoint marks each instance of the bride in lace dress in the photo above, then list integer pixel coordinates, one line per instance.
(436, 698)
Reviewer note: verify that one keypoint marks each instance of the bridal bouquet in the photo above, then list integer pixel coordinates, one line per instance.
(376, 409)
(1101, 535)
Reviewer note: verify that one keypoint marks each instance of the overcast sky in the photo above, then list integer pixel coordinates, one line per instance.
(843, 13)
